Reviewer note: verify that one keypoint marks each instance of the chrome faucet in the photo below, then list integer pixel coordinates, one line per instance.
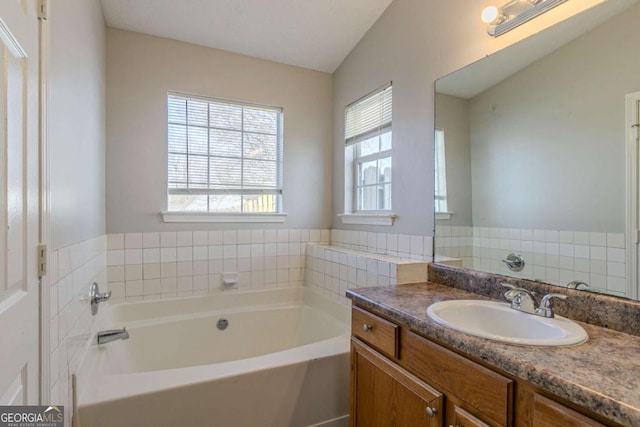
(104, 337)
(578, 285)
(524, 300)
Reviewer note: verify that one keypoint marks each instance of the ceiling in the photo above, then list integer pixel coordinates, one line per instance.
(314, 34)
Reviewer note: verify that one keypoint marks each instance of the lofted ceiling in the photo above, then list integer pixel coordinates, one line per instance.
(314, 34)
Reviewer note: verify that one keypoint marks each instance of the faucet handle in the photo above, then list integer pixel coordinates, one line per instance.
(514, 291)
(545, 307)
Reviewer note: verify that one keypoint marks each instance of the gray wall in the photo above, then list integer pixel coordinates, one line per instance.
(76, 121)
(140, 71)
(412, 44)
(548, 143)
(452, 115)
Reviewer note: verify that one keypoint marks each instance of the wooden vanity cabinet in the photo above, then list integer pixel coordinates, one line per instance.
(385, 395)
(399, 378)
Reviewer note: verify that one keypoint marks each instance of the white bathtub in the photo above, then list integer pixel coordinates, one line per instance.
(283, 361)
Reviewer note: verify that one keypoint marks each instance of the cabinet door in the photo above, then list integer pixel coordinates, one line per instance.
(462, 418)
(385, 395)
(549, 413)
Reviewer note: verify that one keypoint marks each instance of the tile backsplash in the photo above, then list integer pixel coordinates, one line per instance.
(331, 270)
(71, 271)
(400, 245)
(156, 265)
(553, 256)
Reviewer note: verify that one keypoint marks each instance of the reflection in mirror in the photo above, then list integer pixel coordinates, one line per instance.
(531, 155)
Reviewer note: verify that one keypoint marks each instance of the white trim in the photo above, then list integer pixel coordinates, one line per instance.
(222, 217)
(45, 205)
(443, 215)
(368, 219)
(632, 176)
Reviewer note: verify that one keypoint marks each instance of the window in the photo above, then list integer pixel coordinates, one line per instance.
(224, 156)
(441, 173)
(368, 135)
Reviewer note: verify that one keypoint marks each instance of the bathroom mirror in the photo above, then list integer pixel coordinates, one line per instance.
(532, 151)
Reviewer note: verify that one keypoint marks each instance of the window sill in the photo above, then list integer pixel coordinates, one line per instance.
(368, 219)
(444, 215)
(223, 217)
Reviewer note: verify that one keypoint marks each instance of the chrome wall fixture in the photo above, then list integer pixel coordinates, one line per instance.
(516, 12)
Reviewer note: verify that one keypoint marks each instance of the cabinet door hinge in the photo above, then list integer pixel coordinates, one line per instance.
(42, 260)
(42, 9)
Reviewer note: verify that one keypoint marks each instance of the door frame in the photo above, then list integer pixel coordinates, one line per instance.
(45, 204)
(632, 107)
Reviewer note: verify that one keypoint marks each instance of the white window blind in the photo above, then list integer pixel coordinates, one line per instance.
(369, 116)
(223, 156)
(368, 134)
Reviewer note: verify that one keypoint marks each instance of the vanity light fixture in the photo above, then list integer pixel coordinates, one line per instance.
(516, 12)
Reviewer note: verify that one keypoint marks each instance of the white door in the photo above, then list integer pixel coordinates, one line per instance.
(19, 195)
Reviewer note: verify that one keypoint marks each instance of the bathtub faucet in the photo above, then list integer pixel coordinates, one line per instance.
(110, 335)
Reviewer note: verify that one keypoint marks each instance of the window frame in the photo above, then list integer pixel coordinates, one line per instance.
(352, 214)
(440, 176)
(227, 216)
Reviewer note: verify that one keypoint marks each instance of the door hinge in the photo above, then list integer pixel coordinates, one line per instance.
(42, 10)
(42, 260)
(637, 236)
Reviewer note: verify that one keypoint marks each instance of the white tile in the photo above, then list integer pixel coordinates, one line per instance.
(115, 257)
(133, 272)
(200, 238)
(617, 269)
(581, 251)
(566, 236)
(539, 235)
(185, 268)
(294, 236)
(598, 239)
(392, 242)
(243, 237)
(151, 255)
(134, 288)
(598, 267)
(168, 255)
(229, 237)
(270, 236)
(581, 264)
(132, 256)
(133, 240)
(598, 252)
(616, 255)
(115, 241)
(616, 284)
(581, 238)
(229, 251)
(151, 240)
(200, 253)
(244, 251)
(616, 240)
(215, 238)
(257, 236)
(184, 238)
(168, 239)
(282, 236)
(551, 236)
(404, 243)
(417, 245)
(381, 241)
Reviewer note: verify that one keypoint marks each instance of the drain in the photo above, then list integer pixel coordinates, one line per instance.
(222, 324)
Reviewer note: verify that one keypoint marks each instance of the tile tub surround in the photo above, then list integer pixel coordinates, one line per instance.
(143, 266)
(554, 256)
(399, 245)
(71, 271)
(331, 270)
(584, 374)
(604, 311)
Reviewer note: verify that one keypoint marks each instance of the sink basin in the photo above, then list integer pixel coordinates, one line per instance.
(498, 321)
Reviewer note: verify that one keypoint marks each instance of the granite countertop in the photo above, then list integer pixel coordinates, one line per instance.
(601, 375)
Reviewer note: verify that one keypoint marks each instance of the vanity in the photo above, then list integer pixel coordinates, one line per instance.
(407, 370)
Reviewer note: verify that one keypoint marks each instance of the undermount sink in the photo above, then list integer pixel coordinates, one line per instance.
(498, 321)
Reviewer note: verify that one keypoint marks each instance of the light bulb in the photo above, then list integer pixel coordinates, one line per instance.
(490, 14)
